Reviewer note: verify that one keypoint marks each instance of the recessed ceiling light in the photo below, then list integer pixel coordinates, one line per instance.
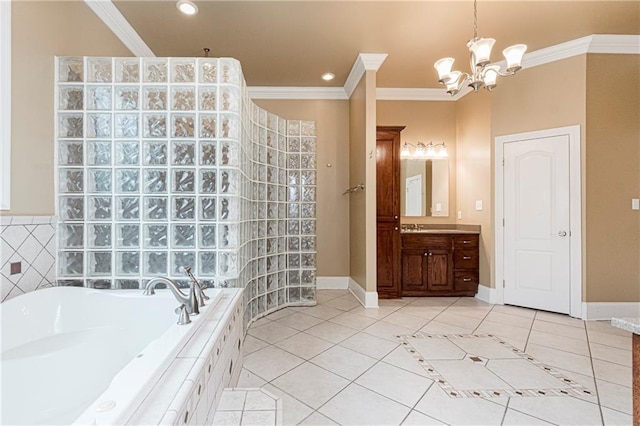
(328, 76)
(187, 7)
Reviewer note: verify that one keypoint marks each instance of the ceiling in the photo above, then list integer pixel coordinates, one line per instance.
(291, 43)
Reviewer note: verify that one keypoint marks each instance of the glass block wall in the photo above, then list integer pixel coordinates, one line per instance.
(166, 162)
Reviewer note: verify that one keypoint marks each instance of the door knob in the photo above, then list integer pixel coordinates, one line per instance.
(562, 233)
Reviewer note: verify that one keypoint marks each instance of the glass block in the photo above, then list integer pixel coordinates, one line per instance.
(183, 125)
(308, 243)
(155, 263)
(227, 264)
(308, 260)
(71, 236)
(294, 261)
(99, 70)
(71, 263)
(229, 209)
(308, 277)
(70, 125)
(128, 263)
(308, 145)
(294, 193)
(128, 284)
(155, 125)
(184, 153)
(155, 70)
(228, 236)
(308, 177)
(127, 70)
(71, 208)
(183, 98)
(308, 193)
(293, 227)
(155, 153)
(127, 98)
(293, 144)
(183, 236)
(230, 98)
(308, 161)
(155, 208)
(98, 153)
(127, 153)
(99, 284)
(208, 181)
(155, 98)
(155, 235)
(155, 181)
(128, 208)
(207, 98)
(99, 263)
(293, 161)
(127, 180)
(182, 71)
(71, 180)
(208, 70)
(128, 235)
(127, 126)
(308, 294)
(229, 181)
(207, 153)
(70, 153)
(308, 128)
(207, 208)
(208, 236)
(99, 180)
(207, 264)
(294, 277)
(229, 154)
(230, 71)
(230, 126)
(99, 235)
(183, 181)
(70, 69)
(98, 125)
(183, 208)
(308, 227)
(99, 98)
(294, 243)
(181, 259)
(308, 210)
(99, 208)
(294, 177)
(208, 126)
(70, 98)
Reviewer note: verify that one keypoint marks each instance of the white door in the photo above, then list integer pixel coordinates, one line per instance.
(537, 244)
(413, 197)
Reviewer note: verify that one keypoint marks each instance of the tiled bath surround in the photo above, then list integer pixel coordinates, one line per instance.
(29, 241)
(164, 162)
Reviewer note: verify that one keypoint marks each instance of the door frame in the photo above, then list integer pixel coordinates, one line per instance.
(575, 214)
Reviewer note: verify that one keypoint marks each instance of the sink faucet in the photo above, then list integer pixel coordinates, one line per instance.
(190, 301)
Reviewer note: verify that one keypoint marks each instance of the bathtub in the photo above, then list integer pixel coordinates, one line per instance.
(71, 352)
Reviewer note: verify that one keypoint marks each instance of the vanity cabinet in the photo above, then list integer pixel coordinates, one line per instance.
(439, 264)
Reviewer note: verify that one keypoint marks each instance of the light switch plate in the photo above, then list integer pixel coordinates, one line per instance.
(459, 214)
(438, 207)
(478, 204)
(635, 204)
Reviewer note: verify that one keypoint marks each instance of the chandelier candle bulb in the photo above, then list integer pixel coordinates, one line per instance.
(481, 49)
(443, 66)
(513, 55)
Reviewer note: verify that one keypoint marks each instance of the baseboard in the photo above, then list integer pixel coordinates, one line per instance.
(368, 299)
(486, 294)
(332, 283)
(608, 310)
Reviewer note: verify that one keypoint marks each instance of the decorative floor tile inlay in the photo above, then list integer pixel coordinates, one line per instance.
(485, 366)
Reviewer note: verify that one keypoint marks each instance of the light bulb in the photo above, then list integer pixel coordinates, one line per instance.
(443, 66)
(513, 55)
(419, 150)
(404, 152)
(187, 7)
(481, 49)
(490, 77)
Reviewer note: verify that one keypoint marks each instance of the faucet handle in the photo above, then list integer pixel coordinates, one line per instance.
(186, 269)
(183, 315)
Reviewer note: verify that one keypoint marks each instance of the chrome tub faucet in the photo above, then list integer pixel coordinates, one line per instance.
(189, 303)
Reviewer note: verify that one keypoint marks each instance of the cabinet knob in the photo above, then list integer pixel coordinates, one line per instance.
(395, 217)
(466, 280)
(395, 228)
(428, 253)
(466, 242)
(466, 257)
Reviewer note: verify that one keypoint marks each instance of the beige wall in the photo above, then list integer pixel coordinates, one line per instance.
(332, 126)
(474, 173)
(612, 178)
(371, 219)
(40, 31)
(425, 122)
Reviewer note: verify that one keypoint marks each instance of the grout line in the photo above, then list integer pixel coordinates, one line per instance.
(593, 371)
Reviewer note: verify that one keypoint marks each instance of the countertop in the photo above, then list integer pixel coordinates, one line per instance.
(629, 324)
(439, 231)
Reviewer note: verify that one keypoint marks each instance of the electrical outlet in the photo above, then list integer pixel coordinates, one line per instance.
(635, 204)
(478, 205)
(16, 268)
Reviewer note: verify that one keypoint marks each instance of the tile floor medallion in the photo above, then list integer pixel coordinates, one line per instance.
(485, 366)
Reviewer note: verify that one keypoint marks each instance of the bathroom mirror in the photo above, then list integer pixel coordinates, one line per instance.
(424, 187)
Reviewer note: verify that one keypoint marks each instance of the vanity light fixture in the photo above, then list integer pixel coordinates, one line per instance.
(328, 76)
(423, 152)
(187, 7)
(483, 73)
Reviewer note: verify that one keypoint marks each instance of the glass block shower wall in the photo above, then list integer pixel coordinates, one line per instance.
(166, 162)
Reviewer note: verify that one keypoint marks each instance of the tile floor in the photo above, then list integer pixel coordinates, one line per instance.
(338, 363)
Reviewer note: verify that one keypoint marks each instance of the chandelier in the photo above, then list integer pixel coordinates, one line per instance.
(423, 152)
(483, 72)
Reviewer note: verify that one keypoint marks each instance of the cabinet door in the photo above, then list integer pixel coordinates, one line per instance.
(388, 253)
(414, 276)
(439, 270)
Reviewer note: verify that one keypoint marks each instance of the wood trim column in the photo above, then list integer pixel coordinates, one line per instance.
(636, 379)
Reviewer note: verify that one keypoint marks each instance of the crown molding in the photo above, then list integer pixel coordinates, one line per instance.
(364, 62)
(111, 16)
(412, 94)
(615, 44)
(269, 92)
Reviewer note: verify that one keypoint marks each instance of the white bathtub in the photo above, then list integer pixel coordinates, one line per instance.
(68, 351)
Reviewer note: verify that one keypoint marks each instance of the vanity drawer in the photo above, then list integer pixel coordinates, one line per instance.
(465, 281)
(426, 241)
(465, 241)
(465, 259)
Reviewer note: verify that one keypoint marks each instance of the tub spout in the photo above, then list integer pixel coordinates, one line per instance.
(189, 300)
(200, 294)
